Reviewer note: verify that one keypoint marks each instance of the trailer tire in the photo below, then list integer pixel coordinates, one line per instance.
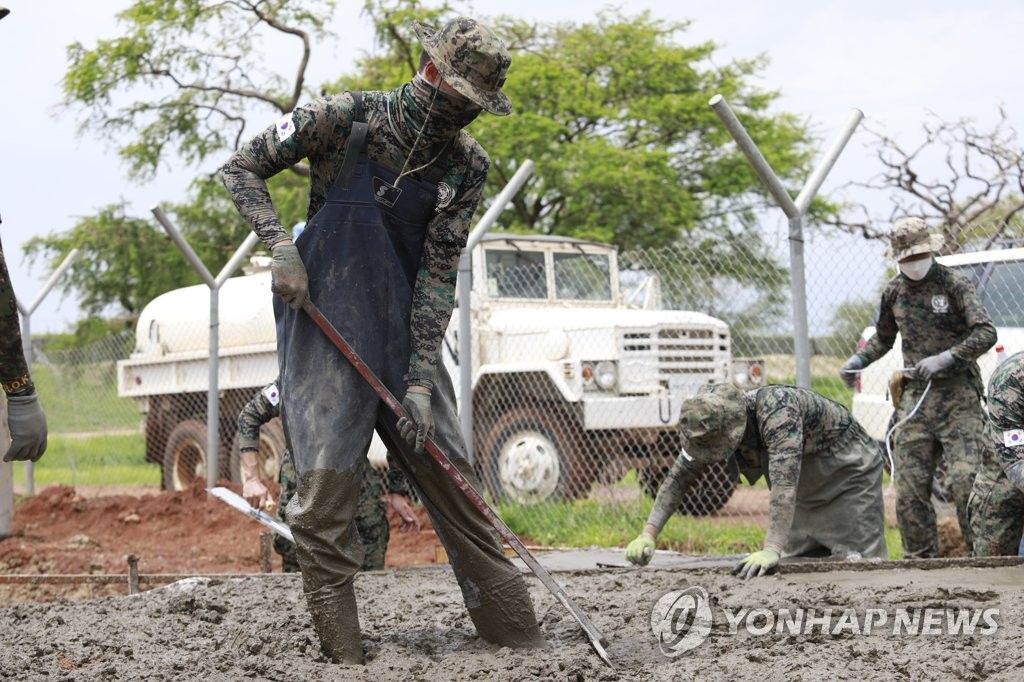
(270, 455)
(185, 455)
(532, 454)
(712, 491)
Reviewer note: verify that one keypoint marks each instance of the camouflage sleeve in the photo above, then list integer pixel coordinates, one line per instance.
(434, 293)
(14, 372)
(680, 480)
(983, 333)
(395, 480)
(885, 330)
(780, 423)
(321, 126)
(255, 414)
(1006, 411)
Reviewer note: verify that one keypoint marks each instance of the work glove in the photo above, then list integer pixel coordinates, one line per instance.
(640, 550)
(288, 278)
(931, 365)
(27, 424)
(1015, 474)
(758, 564)
(420, 422)
(848, 372)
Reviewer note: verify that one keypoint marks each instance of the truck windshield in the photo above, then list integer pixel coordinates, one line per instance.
(516, 274)
(1001, 288)
(583, 277)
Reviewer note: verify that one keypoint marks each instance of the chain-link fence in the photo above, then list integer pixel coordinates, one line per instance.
(581, 358)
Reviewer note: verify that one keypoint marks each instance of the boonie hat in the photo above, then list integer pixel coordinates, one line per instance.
(471, 59)
(712, 423)
(910, 237)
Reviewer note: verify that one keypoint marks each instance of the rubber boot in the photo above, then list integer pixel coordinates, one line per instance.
(336, 622)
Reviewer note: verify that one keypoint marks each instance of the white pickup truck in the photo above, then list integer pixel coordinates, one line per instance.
(574, 381)
(998, 277)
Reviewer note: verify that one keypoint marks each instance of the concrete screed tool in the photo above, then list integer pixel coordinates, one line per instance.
(597, 641)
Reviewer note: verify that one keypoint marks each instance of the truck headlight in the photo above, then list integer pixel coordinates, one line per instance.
(748, 372)
(606, 374)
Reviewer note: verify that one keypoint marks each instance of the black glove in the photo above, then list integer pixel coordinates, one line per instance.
(288, 278)
(848, 372)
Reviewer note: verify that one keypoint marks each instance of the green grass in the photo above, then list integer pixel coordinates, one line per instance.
(83, 398)
(103, 459)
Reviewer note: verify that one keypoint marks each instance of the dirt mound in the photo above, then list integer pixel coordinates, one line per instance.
(62, 531)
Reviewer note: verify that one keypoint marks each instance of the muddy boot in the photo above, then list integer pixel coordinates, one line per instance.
(336, 622)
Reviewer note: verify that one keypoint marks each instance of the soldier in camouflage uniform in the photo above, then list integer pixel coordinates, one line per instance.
(394, 183)
(25, 418)
(371, 515)
(996, 507)
(945, 328)
(824, 472)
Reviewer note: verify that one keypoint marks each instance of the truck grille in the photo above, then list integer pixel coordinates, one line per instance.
(678, 351)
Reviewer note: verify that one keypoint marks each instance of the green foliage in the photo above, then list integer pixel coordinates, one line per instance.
(99, 459)
(83, 397)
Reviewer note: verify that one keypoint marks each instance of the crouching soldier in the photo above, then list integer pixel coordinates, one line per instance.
(823, 470)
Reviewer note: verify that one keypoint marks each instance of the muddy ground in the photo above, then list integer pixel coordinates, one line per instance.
(415, 628)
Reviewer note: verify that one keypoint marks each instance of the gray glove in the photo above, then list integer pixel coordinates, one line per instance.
(1015, 472)
(421, 419)
(848, 372)
(933, 364)
(288, 278)
(27, 422)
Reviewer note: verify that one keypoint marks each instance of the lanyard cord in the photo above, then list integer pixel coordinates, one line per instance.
(888, 436)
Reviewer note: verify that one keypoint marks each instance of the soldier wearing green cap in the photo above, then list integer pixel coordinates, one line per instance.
(824, 472)
(944, 328)
(394, 181)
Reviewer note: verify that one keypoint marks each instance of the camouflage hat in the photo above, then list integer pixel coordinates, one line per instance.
(712, 423)
(471, 59)
(910, 237)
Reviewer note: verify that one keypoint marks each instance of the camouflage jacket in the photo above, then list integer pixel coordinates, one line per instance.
(941, 312)
(318, 131)
(14, 373)
(1006, 411)
(260, 409)
(784, 425)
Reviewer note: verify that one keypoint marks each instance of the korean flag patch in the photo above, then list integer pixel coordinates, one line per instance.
(285, 127)
(272, 395)
(1013, 438)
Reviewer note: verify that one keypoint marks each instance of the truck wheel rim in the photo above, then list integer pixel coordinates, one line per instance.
(189, 464)
(529, 466)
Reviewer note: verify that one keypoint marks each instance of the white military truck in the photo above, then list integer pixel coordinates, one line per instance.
(998, 277)
(574, 380)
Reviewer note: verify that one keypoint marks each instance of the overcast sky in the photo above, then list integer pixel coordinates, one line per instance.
(893, 60)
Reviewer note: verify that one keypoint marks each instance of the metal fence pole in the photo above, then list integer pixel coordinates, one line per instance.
(465, 309)
(794, 211)
(213, 393)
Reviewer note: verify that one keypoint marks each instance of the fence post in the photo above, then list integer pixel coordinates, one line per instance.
(794, 211)
(212, 392)
(465, 358)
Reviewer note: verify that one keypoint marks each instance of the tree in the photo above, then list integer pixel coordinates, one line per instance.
(967, 181)
(613, 112)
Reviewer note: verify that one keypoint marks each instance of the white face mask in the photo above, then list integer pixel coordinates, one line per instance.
(916, 269)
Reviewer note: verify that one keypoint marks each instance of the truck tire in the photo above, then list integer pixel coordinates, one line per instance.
(185, 455)
(713, 490)
(532, 454)
(270, 455)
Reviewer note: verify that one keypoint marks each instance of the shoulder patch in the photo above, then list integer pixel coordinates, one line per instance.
(272, 395)
(1013, 438)
(285, 127)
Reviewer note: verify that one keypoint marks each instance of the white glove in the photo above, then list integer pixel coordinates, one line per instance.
(27, 423)
(933, 364)
(288, 278)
